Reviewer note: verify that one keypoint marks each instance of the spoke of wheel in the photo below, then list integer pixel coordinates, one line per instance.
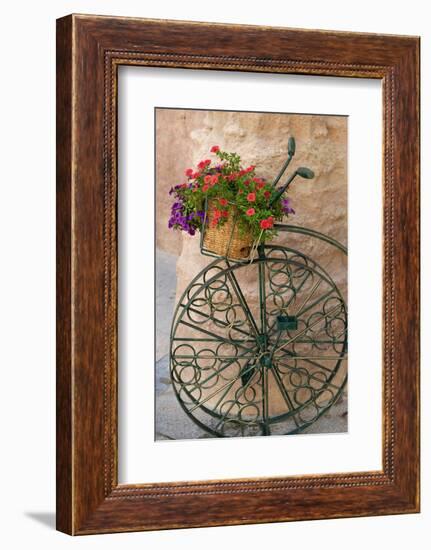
(317, 301)
(284, 392)
(262, 298)
(274, 347)
(230, 383)
(294, 356)
(318, 365)
(336, 308)
(243, 356)
(251, 341)
(242, 301)
(324, 383)
(244, 388)
(338, 335)
(220, 357)
(220, 400)
(305, 279)
(215, 320)
(312, 341)
(310, 295)
(264, 331)
(322, 358)
(332, 371)
(265, 399)
(215, 336)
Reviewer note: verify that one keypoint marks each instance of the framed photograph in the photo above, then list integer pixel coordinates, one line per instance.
(237, 274)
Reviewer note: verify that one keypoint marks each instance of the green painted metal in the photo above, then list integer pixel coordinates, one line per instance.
(266, 362)
(287, 322)
(225, 365)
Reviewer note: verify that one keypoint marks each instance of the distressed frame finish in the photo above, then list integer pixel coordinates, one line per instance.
(89, 51)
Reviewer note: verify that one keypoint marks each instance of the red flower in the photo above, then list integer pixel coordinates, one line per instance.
(250, 168)
(215, 149)
(268, 223)
(225, 214)
(214, 179)
(232, 176)
(247, 182)
(251, 197)
(205, 188)
(260, 185)
(250, 211)
(203, 164)
(189, 172)
(207, 179)
(217, 214)
(267, 194)
(196, 175)
(223, 202)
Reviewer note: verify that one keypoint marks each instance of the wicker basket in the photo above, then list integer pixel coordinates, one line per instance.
(225, 240)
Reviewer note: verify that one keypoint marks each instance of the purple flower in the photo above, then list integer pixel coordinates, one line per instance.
(182, 220)
(285, 206)
(174, 190)
(181, 217)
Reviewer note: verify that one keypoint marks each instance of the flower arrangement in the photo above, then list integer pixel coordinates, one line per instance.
(226, 188)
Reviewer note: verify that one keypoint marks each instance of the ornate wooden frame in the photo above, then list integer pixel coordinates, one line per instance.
(89, 51)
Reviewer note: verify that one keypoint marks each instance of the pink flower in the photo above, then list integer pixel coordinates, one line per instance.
(250, 211)
(251, 197)
(189, 172)
(214, 179)
(215, 149)
(223, 202)
(207, 179)
(205, 188)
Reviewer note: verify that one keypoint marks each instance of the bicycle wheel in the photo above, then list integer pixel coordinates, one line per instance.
(272, 361)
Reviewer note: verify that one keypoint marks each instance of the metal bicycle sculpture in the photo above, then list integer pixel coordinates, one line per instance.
(259, 347)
